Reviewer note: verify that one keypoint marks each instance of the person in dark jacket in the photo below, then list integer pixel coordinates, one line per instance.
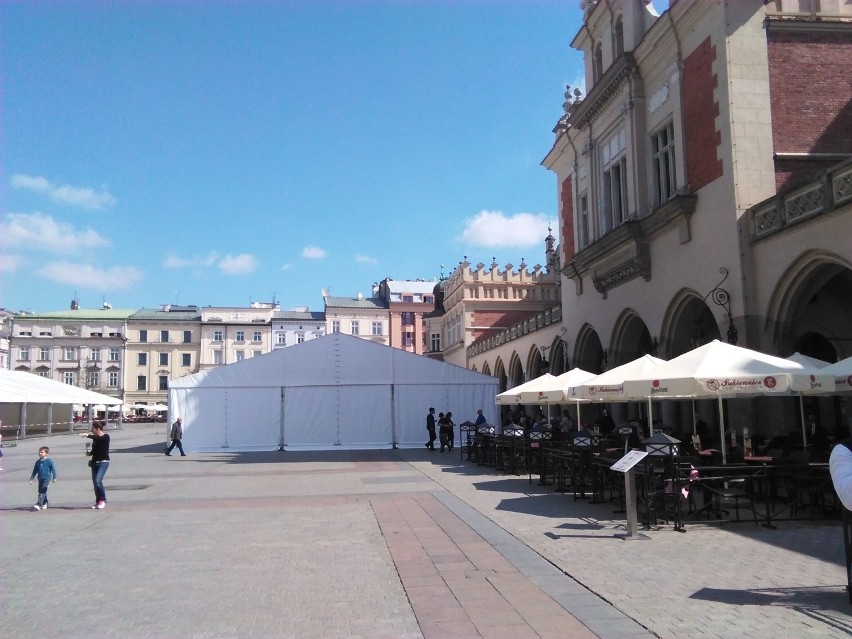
(430, 428)
(99, 461)
(45, 470)
(176, 435)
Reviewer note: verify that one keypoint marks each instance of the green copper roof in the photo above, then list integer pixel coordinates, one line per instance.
(82, 314)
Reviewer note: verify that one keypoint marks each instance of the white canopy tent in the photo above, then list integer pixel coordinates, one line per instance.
(718, 371)
(336, 390)
(29, 399)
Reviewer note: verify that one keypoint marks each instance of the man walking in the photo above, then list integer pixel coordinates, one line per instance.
(176, 435)
(430, 427)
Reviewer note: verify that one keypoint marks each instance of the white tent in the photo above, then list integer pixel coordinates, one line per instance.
(19, 387)
(336, 390)
(27, 399)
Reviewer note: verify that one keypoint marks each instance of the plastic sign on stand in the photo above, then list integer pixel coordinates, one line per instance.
(625, 465)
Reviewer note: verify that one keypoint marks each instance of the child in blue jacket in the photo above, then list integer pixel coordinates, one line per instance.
(44, 470)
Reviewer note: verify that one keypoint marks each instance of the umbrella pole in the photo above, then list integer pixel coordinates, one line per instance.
(650, 420)
(579, 426)
(694, 419)
(722, 429)
(804, 427)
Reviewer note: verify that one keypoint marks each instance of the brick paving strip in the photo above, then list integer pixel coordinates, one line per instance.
(458, 585)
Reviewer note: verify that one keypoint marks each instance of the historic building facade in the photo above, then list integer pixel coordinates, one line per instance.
(81, 346)
(362, 317)
(695, 188)
(407, 302)
(294, 327)
(234, 333)
(500, 322)
(162, 344)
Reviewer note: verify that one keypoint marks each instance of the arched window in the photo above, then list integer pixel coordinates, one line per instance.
(619, 37)
(598, 64)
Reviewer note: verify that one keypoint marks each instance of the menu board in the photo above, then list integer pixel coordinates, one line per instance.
(629, 461)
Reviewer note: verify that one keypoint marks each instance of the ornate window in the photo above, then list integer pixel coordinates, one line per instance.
(614, 182)
(663, 165)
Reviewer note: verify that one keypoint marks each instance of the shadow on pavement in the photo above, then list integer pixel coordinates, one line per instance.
(147, 448)
(814, 602)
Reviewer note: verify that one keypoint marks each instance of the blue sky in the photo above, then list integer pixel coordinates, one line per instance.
(219, 153)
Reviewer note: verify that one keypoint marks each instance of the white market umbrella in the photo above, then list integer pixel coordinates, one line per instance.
(808, 362)
(531, 388)
(610, 386)
(568, 380)
(842, 373)
(719, 370)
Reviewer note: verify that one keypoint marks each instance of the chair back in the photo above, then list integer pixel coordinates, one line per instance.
(696, 443)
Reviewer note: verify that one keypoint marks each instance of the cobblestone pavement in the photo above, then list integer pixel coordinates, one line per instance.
(379, 544)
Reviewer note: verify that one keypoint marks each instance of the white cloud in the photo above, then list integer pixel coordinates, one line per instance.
(365, 259)
(286, 267)
(40, 232)
(204, 261)
(493, 229)
(91, 276)
(82, 197)
(30, 182)
(241, 264)
(312, 252)
(10, 263)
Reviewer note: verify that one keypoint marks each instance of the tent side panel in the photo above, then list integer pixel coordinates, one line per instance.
(365, 416)
(463, 400)
(253, 421)
(203, 413)
(310, 416)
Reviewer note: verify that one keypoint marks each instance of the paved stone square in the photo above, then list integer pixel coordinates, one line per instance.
(379, 544)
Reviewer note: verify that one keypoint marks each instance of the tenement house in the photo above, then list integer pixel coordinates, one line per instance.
(233, 333)
(85, 347)
(365, 318)
(407, 302)
(162, 344)
(296, 326)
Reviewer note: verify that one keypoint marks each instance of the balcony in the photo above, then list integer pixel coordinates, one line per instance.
(623, 254)
(825, 195)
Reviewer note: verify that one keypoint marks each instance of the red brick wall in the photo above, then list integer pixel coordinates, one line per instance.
(699, 113)
(567, 198)
(811, 95)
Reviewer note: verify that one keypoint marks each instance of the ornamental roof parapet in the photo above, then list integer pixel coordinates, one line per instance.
(493, 274)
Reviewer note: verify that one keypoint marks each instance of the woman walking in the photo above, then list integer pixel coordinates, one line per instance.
(99, 461)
